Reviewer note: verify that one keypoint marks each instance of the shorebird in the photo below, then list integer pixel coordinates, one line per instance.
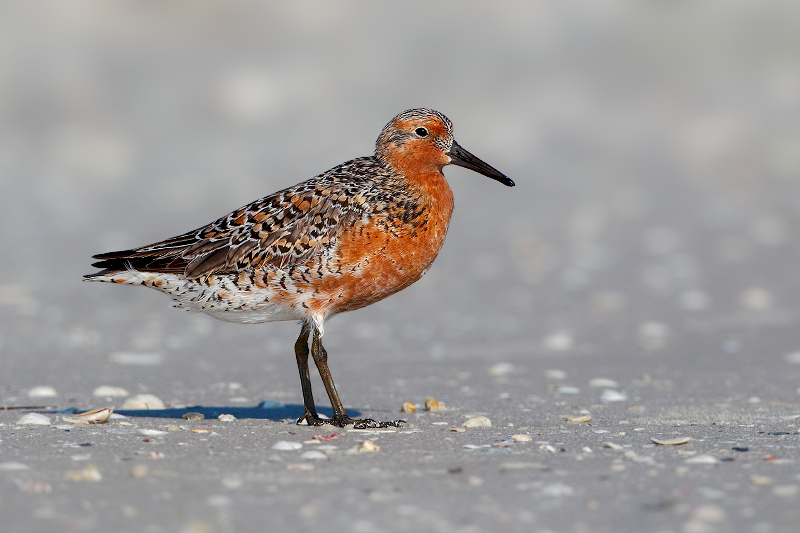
(343, 240)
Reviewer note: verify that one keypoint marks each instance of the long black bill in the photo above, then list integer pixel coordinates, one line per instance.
(462, 158)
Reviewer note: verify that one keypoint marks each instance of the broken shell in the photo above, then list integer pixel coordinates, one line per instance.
(152, 432)
(155, 455)
(95, 416)
(703, 459)
(368, 446)
(34, 419)
(603, 382)
(193, 416)
(286, 445)
(144, 402)
(226, 418)
(108, 390)
(610, 395)
(431, 404)
(578, 418)
(42, 391)
(612, 446)
(408, 407)
(90, 473)
(477, 421)
(522, 438)
(314, 455)
(677, 441)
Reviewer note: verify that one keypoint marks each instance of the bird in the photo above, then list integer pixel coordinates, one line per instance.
(338, 242)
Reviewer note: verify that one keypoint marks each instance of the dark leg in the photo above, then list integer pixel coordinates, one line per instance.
(340, 417)
(301, 352)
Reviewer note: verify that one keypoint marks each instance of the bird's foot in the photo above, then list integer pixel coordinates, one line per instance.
(313, 419)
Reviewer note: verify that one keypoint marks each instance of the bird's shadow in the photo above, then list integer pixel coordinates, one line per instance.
(264, 411)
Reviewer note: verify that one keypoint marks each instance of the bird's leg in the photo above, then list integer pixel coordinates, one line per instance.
(340, 417)
(310, 415)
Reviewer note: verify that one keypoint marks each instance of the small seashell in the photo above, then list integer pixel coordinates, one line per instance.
(109, 391)
(152, 432)
(143, 402)
(576, 419)
(286, 445)
(33, 419)
(522, 438)
(96, 416)
(226, 418)
(139, 471)
(702, 459)
(42, 391)
(610, 395)
(677, 441)
(314, 455)
(408, 407)
(193, 416)
(368, 446)
(457, 430)
(201, 431)
(476, 422)
(612, 446)
(564, 389)
(90, 473)
(501, 369)
(431, 404)
(155, 455)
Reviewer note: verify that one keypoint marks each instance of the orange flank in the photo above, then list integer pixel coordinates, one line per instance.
(338, 242)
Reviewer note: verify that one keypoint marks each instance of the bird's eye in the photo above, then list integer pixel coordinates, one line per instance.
(421, 132)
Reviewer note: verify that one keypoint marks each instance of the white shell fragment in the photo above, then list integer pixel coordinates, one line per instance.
(610, 395)
(603, 383)
(143, 402)
(612, 446)
(368, 446)
(568, 390)
(42, 391)
(104, 391)
(703, 459)
(12, 466)
(131, 358)
(677, 441)
(96, 416)
(286, 445)
(33, 419)
(90, 473)
(522, 438)
(576, 419)
(314, 455)
(477, 422)
(152, 432)
(226, 418)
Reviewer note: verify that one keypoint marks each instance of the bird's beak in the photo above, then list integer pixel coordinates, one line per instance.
(462, 158)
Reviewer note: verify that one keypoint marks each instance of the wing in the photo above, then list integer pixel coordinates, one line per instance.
(278, 230)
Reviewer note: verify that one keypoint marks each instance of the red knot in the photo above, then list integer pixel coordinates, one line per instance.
(338, 242)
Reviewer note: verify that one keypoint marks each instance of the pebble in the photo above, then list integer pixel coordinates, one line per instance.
(109, 391)
(522, 438)
(677, 441)
(501, 369)
(226, 418)
(12, 466)
(610, 395)
(286, 445)
(477, 421)
(144, 402)
(90, 473)
(314, 455)
(33, 419)
(408, 407)
(702, 459)
(193, 416)
(431, 404)
(42, 391)
(603, 382)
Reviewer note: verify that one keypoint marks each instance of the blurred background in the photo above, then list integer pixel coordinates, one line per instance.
(655, 147)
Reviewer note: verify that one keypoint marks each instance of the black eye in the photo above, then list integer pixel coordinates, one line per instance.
(421, 132)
